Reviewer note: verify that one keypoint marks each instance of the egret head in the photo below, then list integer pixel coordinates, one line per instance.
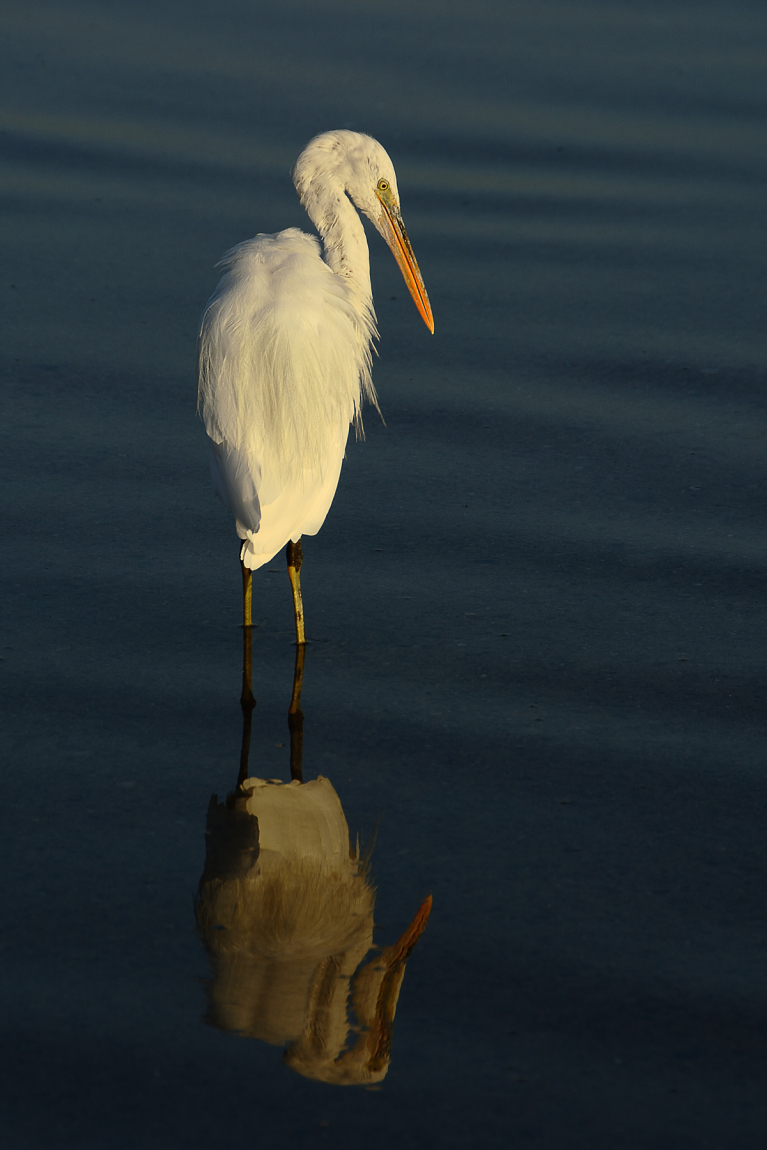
(347, 162)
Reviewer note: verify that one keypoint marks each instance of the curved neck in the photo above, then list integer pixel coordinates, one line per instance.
(343, 237)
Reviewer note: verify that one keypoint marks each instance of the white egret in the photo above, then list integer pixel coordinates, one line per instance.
(285, 352)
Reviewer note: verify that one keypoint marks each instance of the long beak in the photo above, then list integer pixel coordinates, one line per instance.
(396, 237)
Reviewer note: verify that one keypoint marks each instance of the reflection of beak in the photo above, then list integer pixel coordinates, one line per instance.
(379, 983)
(396, 237)
(376, 989)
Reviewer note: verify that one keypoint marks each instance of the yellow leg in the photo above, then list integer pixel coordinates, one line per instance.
(247, 595)
(295, 559)
(247, 701)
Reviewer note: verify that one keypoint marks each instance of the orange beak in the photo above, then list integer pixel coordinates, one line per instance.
(396, 237)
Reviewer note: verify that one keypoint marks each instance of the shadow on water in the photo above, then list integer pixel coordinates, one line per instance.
(285, 911)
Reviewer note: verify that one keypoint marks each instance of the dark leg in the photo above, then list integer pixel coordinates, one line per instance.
(296, 717)
(295, 559)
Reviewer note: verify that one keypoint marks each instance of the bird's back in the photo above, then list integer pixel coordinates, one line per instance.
(285, 357)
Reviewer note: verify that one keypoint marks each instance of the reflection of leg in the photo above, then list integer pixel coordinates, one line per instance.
(247, 718)
(247, 701)
(295, 559)
(296, 718)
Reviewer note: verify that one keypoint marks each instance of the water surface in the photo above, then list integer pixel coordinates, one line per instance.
(537, 606)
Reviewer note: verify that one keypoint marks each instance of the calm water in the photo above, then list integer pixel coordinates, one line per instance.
(537, 606)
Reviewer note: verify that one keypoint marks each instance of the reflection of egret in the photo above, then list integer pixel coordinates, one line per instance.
(285, 352)
(285, 910)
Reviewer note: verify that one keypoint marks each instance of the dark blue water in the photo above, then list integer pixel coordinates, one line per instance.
(537, 606)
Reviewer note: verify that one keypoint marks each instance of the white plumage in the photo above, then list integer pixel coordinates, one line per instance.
(285, 346)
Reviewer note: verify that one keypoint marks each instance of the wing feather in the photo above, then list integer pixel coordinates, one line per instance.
(284, 366)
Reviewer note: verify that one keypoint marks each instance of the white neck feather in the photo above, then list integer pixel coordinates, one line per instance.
(343, 237)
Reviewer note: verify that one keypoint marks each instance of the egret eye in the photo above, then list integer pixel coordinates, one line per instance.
(383, 185)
